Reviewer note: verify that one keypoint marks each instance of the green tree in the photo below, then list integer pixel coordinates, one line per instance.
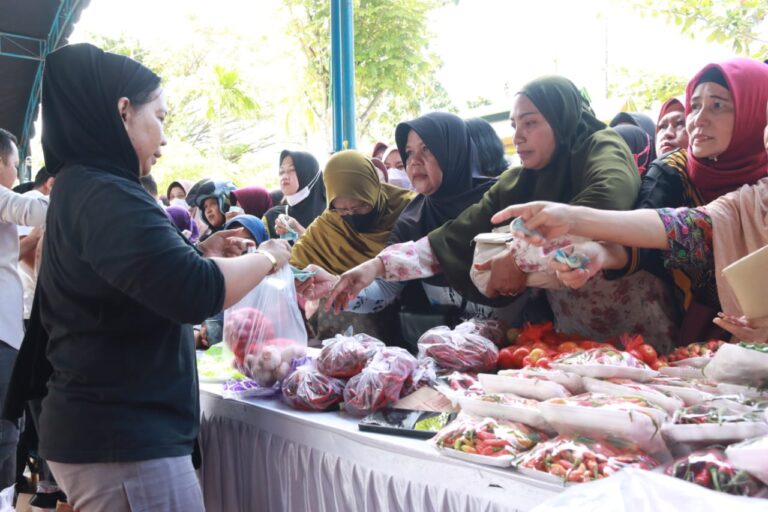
(738, 22)
(395, 70)
(643, 89)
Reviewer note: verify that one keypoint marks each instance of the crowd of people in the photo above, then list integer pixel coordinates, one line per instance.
(112, 286)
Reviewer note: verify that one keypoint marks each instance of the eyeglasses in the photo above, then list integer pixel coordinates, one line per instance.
(352, 211)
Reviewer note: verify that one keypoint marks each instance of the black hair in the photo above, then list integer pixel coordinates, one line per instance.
(149, 184)
(23, 188)
(41, 177)
(7, 141)
(490, 149)
(714, 75)
(146, 93)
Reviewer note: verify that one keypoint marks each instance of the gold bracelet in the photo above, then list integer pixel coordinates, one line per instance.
(270, 258)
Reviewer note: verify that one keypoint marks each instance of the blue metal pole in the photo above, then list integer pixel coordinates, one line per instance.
(336, 73)
(348, 71)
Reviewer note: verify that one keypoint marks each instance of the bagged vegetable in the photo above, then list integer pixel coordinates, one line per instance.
(715, 421)
(529, 385)
(425, 374)
(486, 440)
(691, 392)
(583, 459)
(494, 330)
(462, 351)
(742, 363)
(710, 468)
(751, 456)
(459, 384)
(623, 387)
(265, 330)
(307, 389)
(505, 406)
(571, 381)
(345, 356)
(380, 383)
(604, 363)
(630, 417)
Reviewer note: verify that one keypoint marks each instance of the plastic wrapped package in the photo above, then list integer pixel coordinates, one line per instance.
(695, 354)
(711, 468)
(425, 374)
(715, 421)
(630, 417)
(307, 389)
(682, 372)
(494, 330)
(528, 385)
(751, 456)
(689, 391)
(605, 363)
(459, 384)
(247, 388)
(345, 356)
(582, 459)
(743, 363)
(742, 391)
(486, 440)
(462, 351)
(623, 387)
(265, 330)
(380, 383)
(506, 406)
(570, 381)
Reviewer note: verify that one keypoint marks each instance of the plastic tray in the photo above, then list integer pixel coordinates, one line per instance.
(606, 371)
(682, 372)
(569, 380)
(531, 416)
(738, 365)
(713, 433)
(643, 429)
(536, 388)
(693, 362)
(502, 461)
(669, 403)
(751, 456)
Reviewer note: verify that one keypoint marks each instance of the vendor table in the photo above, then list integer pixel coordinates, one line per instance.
(261, 455)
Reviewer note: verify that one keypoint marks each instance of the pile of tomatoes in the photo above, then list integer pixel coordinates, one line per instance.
(539, 344)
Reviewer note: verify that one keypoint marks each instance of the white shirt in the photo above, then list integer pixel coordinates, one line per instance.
(26, 211)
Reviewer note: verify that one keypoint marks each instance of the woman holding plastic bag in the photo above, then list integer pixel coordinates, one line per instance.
(117, 285)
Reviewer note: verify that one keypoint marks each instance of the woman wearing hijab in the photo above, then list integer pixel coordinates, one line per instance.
(396, 174)
(642, 121)
(178, 190)
(639, 144)
(670, 128)
(183, 222)
(118, 287)
(725, 105)
(568, 156)
(303, 194)
(440, 141)
(253, 200)
(709, 237)
(358, 222)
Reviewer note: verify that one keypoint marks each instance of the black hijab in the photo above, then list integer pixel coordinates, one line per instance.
(447, 137)
(643, 122)
(81, 123)
(306, 211)
(639, 145)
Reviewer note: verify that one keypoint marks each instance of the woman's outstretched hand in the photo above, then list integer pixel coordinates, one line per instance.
(352, 282)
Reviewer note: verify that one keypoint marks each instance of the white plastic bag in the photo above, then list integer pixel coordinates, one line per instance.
(751, 456)
(736, 364)
(265, 330)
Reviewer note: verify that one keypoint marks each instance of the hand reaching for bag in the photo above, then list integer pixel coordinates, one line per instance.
(317, 286)
(352, 282)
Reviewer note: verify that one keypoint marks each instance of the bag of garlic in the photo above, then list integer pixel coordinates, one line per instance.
(265, 330)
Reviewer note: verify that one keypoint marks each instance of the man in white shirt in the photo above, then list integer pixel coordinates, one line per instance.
(14, 210)
(29, 238)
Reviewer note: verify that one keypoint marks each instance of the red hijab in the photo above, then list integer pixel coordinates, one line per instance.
(253, 200)
(744, 161)
(670, 105)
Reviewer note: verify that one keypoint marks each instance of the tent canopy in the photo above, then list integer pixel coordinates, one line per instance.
(29, 30)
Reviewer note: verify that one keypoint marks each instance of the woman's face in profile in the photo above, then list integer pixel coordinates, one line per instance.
(144, 124)
(534, 137)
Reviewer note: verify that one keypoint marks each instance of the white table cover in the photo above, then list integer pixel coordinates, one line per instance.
(261, 455)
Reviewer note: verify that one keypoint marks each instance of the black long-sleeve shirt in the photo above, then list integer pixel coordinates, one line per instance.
(117, 284)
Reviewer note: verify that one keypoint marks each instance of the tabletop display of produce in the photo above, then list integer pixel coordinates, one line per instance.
(546, 404)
